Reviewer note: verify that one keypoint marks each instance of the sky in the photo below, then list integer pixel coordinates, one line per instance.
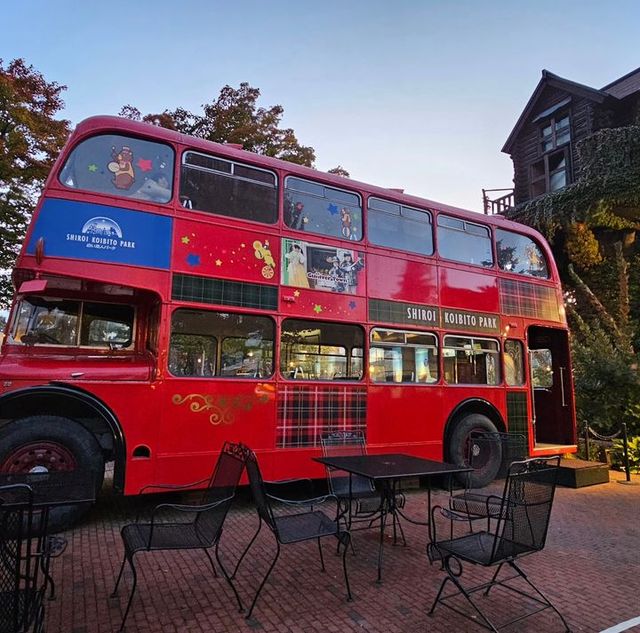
(419, 95)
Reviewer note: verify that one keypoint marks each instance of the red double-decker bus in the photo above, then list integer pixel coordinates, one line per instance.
(173, 293)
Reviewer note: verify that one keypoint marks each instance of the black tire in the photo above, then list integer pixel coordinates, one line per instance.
(487, 465)
(70, 446)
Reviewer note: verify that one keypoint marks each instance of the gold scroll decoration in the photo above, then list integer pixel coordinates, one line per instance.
(223, 408)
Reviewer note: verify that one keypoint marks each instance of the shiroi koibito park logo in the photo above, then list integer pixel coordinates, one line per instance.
(101, 233)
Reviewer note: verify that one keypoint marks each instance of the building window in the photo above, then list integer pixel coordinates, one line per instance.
(555, 132)
(549, 173)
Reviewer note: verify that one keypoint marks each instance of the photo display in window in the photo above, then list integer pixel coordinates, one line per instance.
(320, 267)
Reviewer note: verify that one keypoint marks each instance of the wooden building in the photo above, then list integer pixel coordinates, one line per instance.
(558, 115)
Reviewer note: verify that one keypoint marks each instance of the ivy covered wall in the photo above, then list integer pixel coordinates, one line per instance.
(592, 227)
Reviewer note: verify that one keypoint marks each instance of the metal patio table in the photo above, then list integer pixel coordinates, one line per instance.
(389, 470)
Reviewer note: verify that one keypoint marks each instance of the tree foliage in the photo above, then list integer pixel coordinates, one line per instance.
(31, 137)
(235, 117)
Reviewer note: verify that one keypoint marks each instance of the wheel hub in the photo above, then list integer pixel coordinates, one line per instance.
(39, 457)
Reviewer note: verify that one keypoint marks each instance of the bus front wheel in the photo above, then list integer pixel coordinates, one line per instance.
(487, 456)
(48, 443)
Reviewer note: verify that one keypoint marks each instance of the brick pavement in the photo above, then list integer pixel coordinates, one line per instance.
(590, 568)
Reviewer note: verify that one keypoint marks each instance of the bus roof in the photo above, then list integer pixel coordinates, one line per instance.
(104, 123)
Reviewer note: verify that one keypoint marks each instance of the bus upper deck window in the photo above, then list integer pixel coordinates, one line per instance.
(315, 208)
(121, 166)
(520, 254)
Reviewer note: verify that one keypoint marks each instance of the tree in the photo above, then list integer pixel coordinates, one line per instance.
(235, 117)
(339, 171)
(30, 139)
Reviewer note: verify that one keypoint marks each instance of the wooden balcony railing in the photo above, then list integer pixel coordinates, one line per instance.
(497, 205)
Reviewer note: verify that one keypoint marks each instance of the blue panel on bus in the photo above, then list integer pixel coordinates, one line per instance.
(80, 230)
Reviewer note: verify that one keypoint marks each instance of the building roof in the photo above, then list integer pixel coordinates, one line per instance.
(555, 81)
(623, 87)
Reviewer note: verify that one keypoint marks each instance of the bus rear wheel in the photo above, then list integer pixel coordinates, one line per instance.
(487, 457)
(48, 443)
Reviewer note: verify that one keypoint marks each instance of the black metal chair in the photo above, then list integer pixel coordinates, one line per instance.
(490, 454)
(22, 558)
(289, 528)
(201, 527)
(365, 499)
(520, 528)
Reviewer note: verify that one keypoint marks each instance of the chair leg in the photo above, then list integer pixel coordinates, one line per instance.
(264, 580)
(206, 551)
(133, 590)
(347, 535)
(544, 598)
(251, 542)
(115, 589)
(321, 556)
(226, 575)
(435, 602)
(493, 580)
(454, 576)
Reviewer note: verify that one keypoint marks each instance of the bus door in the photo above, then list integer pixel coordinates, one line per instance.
(551, 388)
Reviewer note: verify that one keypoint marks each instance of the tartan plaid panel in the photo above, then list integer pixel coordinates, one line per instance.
(521, 298)
(305, 412)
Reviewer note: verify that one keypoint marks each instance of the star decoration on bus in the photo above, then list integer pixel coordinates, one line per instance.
(218, 262)
(317, 308)
(332, 209)
(193, 259)
(185, 239)
(352, 305)
(305, 220)
(93, 167)
(296, 293)
(145, 164)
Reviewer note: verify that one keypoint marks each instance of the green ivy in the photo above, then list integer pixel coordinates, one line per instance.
(606, 192)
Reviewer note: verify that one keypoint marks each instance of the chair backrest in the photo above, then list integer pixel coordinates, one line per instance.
(20, 545)
(490, 453)
(338, 444)
(526, 507)
(258, 490)
(222, 486)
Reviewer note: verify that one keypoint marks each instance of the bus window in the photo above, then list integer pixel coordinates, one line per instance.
(403, 356)
(228, 188)
(471, 361)
(41, 321)
(315, 208)
(121, 166)
(465, 242)
(541, 368)
(513, 363)
(246, 348)
(320, 351)
(395, 226)
(520, 254)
